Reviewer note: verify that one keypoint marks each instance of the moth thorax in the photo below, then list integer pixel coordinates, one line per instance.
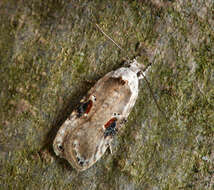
(135, 66)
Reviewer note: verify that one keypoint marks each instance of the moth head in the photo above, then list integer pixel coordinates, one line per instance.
(134, 66)
(137, 68)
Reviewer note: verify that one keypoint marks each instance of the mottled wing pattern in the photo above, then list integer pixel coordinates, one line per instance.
(87, 143)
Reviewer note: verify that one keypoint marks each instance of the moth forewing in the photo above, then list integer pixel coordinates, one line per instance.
(88, 132)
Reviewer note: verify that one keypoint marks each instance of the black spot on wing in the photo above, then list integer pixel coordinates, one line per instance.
(111, 130)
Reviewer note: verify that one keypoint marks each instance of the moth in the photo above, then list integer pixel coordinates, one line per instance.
(88, 132)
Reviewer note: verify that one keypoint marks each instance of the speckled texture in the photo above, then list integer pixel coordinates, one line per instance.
(49, 50)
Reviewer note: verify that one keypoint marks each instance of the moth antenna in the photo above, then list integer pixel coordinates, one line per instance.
(147, 82)
(107, 36)
(156, 102)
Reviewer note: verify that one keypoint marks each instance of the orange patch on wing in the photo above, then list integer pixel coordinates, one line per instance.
(110, 122)
(89, 106)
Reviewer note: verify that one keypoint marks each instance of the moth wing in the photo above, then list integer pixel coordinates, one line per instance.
(85, 145)
(84, 142)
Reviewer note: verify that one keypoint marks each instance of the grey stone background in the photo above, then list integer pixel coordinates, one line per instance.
(50, 50)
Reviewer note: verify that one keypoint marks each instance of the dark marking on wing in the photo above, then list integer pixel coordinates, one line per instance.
(110, 127)
(84, 108)
(80, 161)
(121, 81)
